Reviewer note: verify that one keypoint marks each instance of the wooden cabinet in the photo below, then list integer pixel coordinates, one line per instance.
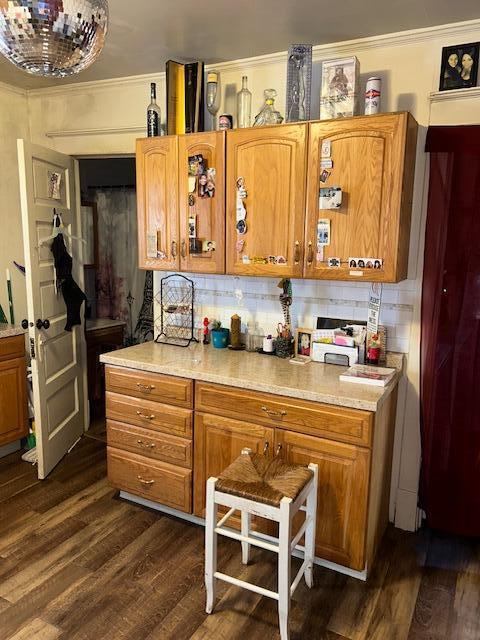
(272, 163)
(13, 390)
(209, 213)
(343, 472)
(157, 203)
(218, 441)
(373, 162)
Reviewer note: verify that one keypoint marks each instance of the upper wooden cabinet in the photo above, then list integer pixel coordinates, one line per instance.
(208, 213)
(373, 160)
(157, 203)
(271, 161)
(283, 167)
(165, 205)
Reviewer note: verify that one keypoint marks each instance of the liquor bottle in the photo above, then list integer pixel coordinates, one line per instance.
(244, 105)
(153, 113)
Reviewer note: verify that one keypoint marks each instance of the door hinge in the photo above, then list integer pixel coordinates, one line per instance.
(32, 347)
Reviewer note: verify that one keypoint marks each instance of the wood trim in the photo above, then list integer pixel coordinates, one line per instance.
(314, 418)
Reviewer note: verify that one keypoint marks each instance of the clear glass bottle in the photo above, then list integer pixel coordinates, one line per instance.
(244, 105)
(153, 113)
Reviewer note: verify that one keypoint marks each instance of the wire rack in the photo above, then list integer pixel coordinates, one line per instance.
(176, 311)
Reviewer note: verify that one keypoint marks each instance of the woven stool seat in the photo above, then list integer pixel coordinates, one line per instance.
(267, 480)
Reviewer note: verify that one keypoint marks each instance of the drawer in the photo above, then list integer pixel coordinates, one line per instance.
(12, 347)
(151, 444)
(149, 415)
(151, 386)
(157, 481)
(314, 418)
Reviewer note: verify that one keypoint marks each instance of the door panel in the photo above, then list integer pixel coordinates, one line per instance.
(157, 185)
(342, 494)
(368, 164)
(209, 212)
(13, 399)
(59, 365)
(271, 160)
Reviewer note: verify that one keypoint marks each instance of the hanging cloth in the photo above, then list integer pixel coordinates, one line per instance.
(72, 294)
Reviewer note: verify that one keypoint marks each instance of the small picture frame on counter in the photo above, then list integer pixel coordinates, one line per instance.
(303, 342)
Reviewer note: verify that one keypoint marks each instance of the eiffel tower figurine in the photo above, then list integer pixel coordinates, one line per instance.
(144, 328)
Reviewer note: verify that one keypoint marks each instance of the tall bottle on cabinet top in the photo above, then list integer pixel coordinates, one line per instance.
(153, 113)
(244, 105)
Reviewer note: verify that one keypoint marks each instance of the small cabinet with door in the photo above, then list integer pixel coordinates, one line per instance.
(13, 389)
(181, 226)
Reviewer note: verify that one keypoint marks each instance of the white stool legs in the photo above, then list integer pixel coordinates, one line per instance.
(211, 545)
(284, 566)
(310, 529)
(246, 519)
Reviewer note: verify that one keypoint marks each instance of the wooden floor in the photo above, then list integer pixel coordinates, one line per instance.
(77, 563)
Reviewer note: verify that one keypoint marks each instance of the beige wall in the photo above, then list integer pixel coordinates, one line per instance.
(13, 124)
(106, 117)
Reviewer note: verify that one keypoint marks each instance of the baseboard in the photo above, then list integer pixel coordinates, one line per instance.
(406, 510)
(359, 575)
(9, 448)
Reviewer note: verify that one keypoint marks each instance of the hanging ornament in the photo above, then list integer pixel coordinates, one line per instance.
(53, 38)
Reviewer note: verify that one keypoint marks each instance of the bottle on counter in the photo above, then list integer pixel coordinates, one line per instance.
(244, 105)
(153, 113)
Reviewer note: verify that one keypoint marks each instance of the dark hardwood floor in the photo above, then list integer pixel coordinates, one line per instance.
(77, 563)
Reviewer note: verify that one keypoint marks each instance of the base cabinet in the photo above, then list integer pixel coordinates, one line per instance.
(343, 471)
(13, 390)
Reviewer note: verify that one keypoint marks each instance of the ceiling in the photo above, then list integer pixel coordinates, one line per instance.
(143, 34)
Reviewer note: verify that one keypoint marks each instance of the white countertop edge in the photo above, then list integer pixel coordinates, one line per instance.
(301, 394)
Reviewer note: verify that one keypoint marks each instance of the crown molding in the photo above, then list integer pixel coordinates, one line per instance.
(66, 133)
(455, 94)
(8, 88)
(447, 34)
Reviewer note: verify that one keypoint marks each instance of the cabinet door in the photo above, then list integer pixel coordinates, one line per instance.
(13, 400)
(157, 209)
(271, 161)
(217, 442)
(373, 163)
(208, 213)
(343, 472)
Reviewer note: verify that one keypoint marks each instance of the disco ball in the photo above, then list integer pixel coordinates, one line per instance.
(52, 37)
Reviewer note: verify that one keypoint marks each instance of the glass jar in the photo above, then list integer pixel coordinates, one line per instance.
(268, 114)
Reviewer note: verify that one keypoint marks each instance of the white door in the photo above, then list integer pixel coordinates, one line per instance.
(58, 356)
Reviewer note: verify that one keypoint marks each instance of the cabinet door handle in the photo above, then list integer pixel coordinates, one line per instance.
(174, 248)
(142, 415)
(183, 249)
(147, 445)
(266, 447)
(279, 448)
(143, 481)
(146, 388)
(296, 252)
(274, 414)
(310, 254)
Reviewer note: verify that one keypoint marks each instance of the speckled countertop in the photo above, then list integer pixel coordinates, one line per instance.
(313, 381)
(9, 330)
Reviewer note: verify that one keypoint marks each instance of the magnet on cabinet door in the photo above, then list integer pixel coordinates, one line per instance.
(242, 227)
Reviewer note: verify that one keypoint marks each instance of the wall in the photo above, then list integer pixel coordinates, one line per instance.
(13, 125)
(106, 117)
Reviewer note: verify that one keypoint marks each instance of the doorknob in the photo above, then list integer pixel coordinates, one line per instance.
(26, 324)
(42, 324)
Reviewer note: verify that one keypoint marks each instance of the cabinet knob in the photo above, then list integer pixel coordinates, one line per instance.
(42, 324)
(174, 248)
(183, 249)
(310, 254)
(296, 252)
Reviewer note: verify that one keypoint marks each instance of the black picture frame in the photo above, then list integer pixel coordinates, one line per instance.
(454, 72)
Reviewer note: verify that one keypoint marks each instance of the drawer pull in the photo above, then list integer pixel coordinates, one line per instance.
(310, 254)
(279, 448)
(142, 415)
(274, 414)
(147, 445)
(265, 448)
(296, 252)
(145, 387)
(143, 481)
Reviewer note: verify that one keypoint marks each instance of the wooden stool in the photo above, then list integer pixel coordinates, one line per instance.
(269, 488)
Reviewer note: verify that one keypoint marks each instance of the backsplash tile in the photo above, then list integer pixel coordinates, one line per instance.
(256, 300)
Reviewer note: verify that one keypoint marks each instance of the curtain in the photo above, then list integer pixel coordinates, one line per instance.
(450, 333)
(118, 272)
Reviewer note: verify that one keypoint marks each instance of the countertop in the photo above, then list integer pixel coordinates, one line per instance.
(313, 381)
(9, 330)
(102, 323)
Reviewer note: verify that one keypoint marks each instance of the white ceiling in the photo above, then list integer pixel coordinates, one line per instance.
(143, 34)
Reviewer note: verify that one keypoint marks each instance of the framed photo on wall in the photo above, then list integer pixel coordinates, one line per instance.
(459, 66)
